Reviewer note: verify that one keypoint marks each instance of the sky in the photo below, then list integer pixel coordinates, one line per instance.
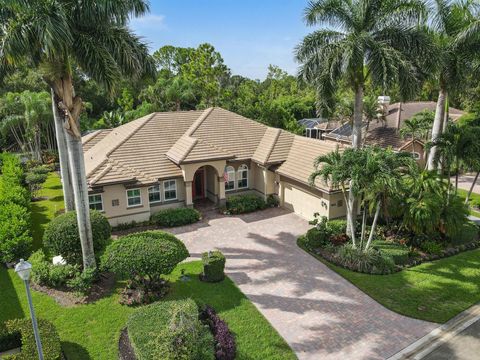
(249, 34)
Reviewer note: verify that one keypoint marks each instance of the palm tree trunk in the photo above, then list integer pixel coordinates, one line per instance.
(364, 226)
(456, 174)
(63, 157)
(437, 127)
(349, 217)
(471, 187)
(374, 225)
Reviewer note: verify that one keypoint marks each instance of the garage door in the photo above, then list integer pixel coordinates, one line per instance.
(302, 202)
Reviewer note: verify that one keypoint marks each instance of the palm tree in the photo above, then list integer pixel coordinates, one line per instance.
(58, 36)
(359, 40)
(456, 42)
(178, 93)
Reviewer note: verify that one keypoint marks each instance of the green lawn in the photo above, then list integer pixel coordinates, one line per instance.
(463, 194)
(43, 211)
(92, 331)
(434, 291)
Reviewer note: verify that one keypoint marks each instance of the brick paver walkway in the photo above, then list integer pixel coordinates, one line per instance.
(320, 314)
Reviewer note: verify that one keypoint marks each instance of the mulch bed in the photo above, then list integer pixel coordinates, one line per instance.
(68, 298)
(125, 349)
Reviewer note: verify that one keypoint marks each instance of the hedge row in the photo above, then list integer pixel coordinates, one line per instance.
(15, 217)
(175, 217)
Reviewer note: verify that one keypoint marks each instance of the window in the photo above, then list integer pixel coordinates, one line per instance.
(154, 194)
(115, 202)
(170, 189)
(95, 202)
(229, 177)
(416, 155)
(242, 177)
(134, 197)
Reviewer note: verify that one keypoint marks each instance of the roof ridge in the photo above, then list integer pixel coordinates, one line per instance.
(275, 139)
(101, 174)
(189, 150)
(196, 124)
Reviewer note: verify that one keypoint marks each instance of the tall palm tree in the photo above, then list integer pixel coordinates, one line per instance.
(57, 36)
(361, 39)
(453, 26)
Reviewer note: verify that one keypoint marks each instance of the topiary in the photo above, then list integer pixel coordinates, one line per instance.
(143, 257)
(213, 266)
(61, 237)
(52, 349)
(175, 217)
(170, 330)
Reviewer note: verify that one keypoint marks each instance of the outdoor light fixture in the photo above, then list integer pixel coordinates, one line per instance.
(23, 269)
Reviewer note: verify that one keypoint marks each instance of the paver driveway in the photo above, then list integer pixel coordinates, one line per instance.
(320, 314)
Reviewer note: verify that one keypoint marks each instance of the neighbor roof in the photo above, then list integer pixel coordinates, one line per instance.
(155, 146)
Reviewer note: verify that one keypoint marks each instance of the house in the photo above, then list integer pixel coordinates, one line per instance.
(385, 132)
(315, 128)
(174, 159)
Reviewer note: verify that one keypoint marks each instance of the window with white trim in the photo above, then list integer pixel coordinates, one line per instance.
(242, 178)
(229, 177)
(134, 197)
(154, 194)
(95, 202)
(170, 190)
(416, 155)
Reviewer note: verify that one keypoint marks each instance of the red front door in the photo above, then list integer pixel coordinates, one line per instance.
(198, 188)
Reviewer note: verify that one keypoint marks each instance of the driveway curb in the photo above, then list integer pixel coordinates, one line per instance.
(437, 337)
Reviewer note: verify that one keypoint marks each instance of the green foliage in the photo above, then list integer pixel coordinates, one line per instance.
(61, 235)
(52, 349)
(144, 256)
(369, 261)
(399, 253)
(325, 233)
(9, 340)
(240, 204)
(213, 266)
(41, 169)
(15, 217)
(35, 182)
(170, 330)
(337, 227)
(175, 217)
(272, 201)
(431, 247)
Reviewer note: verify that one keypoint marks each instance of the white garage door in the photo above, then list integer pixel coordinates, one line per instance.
(302, 203)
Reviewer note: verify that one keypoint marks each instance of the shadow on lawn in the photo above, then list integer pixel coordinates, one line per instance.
(73, 348)
(9, 301)
(39, 219)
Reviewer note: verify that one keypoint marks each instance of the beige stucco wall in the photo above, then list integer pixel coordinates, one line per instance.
(336, 205)
(124, 214)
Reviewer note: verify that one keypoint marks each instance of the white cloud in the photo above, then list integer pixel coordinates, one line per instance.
(151, 21)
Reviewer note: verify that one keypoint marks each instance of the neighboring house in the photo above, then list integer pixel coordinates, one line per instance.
(386, 132)
(315, 128)
(173, 159)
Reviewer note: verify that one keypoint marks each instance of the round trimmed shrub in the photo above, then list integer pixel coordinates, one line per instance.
(213, 266)
(170, 330)
(144, 256)
(61, 236)
(21, 331)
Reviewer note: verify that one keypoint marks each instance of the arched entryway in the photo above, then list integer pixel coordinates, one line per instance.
(199, 184)
(205, 185)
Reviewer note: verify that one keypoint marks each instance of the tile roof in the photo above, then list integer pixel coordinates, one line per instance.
(154, 146)
(300, 159)
(92, 138)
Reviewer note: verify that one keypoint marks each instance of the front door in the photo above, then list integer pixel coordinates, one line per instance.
(198, 188)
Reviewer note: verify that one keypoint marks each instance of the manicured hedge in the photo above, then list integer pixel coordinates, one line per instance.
(61, 237)
(240, 204)
(22, 329)
(213, 266)
(15, 217)
(170, 330)
(175, 217)
(144, 256)
(399, 253)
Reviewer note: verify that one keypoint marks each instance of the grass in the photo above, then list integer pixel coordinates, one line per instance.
(92, 331)
(463, 194)
(44, 210)
(434, 291)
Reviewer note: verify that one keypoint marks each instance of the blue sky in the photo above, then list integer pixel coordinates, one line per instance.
(249, 34)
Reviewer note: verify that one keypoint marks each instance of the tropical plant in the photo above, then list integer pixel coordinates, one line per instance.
(453, 27)
(56, 37)
(359, 40)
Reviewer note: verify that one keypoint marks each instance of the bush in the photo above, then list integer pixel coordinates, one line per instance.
(475, 203)
(431, 247)
(9, 340)
(35, 182)
(213, 266)
(468, 233)
(240, 204)
(317, 238)
(225, 348)
(41, 169)
(170, 330)
(399, 253)
(51, 345)
(272, 201)
(370, 261)
(337, 227)
(143, 257)
(61, 236)
(15, 239)
(175, 217)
